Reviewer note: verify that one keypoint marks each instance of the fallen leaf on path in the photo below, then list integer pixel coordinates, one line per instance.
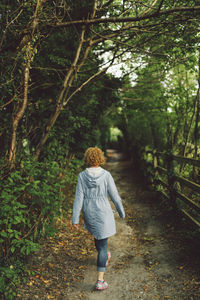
(81, 267)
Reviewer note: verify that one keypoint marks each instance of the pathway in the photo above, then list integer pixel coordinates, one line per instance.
(148, 259)
(152, 256)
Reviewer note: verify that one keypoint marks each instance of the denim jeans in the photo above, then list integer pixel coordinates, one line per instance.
(101, 246)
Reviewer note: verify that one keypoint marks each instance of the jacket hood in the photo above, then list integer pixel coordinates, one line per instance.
(91, 180)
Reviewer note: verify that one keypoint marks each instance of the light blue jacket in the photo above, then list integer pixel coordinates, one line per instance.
(92, 195)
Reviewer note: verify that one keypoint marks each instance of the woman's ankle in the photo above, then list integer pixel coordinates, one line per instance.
(100, 276)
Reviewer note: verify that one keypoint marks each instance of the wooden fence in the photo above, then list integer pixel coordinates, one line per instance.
(170, 180)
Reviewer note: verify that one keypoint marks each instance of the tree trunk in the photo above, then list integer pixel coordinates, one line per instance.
(196, 129)
(69, 78)
(30, 51)
(19, 116)
(196, 111)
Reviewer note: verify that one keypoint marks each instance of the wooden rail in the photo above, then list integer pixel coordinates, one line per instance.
(188, 183)
(166, 177)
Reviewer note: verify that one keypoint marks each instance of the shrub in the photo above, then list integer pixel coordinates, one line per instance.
(32, 197)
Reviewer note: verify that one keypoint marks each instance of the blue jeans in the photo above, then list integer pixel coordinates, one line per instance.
(101, 246)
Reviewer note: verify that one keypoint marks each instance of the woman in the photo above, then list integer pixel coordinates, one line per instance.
(93, 188)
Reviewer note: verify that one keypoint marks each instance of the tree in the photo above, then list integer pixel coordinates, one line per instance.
(40, 21)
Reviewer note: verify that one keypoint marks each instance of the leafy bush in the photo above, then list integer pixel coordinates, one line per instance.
(10, 278)
(31, 199)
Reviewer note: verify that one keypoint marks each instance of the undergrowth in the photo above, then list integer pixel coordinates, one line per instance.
(32, 197)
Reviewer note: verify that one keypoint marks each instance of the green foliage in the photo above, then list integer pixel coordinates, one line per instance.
(155, 110)
(10, 277)
(158, 110)
(31, 199)
(114, 134)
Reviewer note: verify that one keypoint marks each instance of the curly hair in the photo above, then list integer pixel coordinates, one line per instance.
(94, 157)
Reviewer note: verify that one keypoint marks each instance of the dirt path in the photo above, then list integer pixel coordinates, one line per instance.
(152, 256)
(148, 259)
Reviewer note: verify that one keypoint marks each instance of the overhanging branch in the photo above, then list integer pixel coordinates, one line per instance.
(128, 19)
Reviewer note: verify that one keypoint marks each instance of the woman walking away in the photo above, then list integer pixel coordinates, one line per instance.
(93, 188)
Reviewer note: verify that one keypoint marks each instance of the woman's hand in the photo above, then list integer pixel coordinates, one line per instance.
(76, 226)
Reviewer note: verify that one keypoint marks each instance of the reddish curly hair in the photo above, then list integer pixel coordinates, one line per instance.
(94, 157)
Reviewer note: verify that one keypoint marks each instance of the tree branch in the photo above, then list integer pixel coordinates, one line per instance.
(150, 8)
(63, 94)
(128, 19)
(84, 83)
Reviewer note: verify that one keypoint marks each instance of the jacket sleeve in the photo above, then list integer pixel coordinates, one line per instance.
(114, 196)
(78, 202)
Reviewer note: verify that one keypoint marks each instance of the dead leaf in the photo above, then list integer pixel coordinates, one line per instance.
(81, 267)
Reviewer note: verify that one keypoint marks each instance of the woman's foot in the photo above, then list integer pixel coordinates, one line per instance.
(101, 285)
(108, 259)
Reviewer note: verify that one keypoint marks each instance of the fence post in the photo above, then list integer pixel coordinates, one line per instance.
(171, 180)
